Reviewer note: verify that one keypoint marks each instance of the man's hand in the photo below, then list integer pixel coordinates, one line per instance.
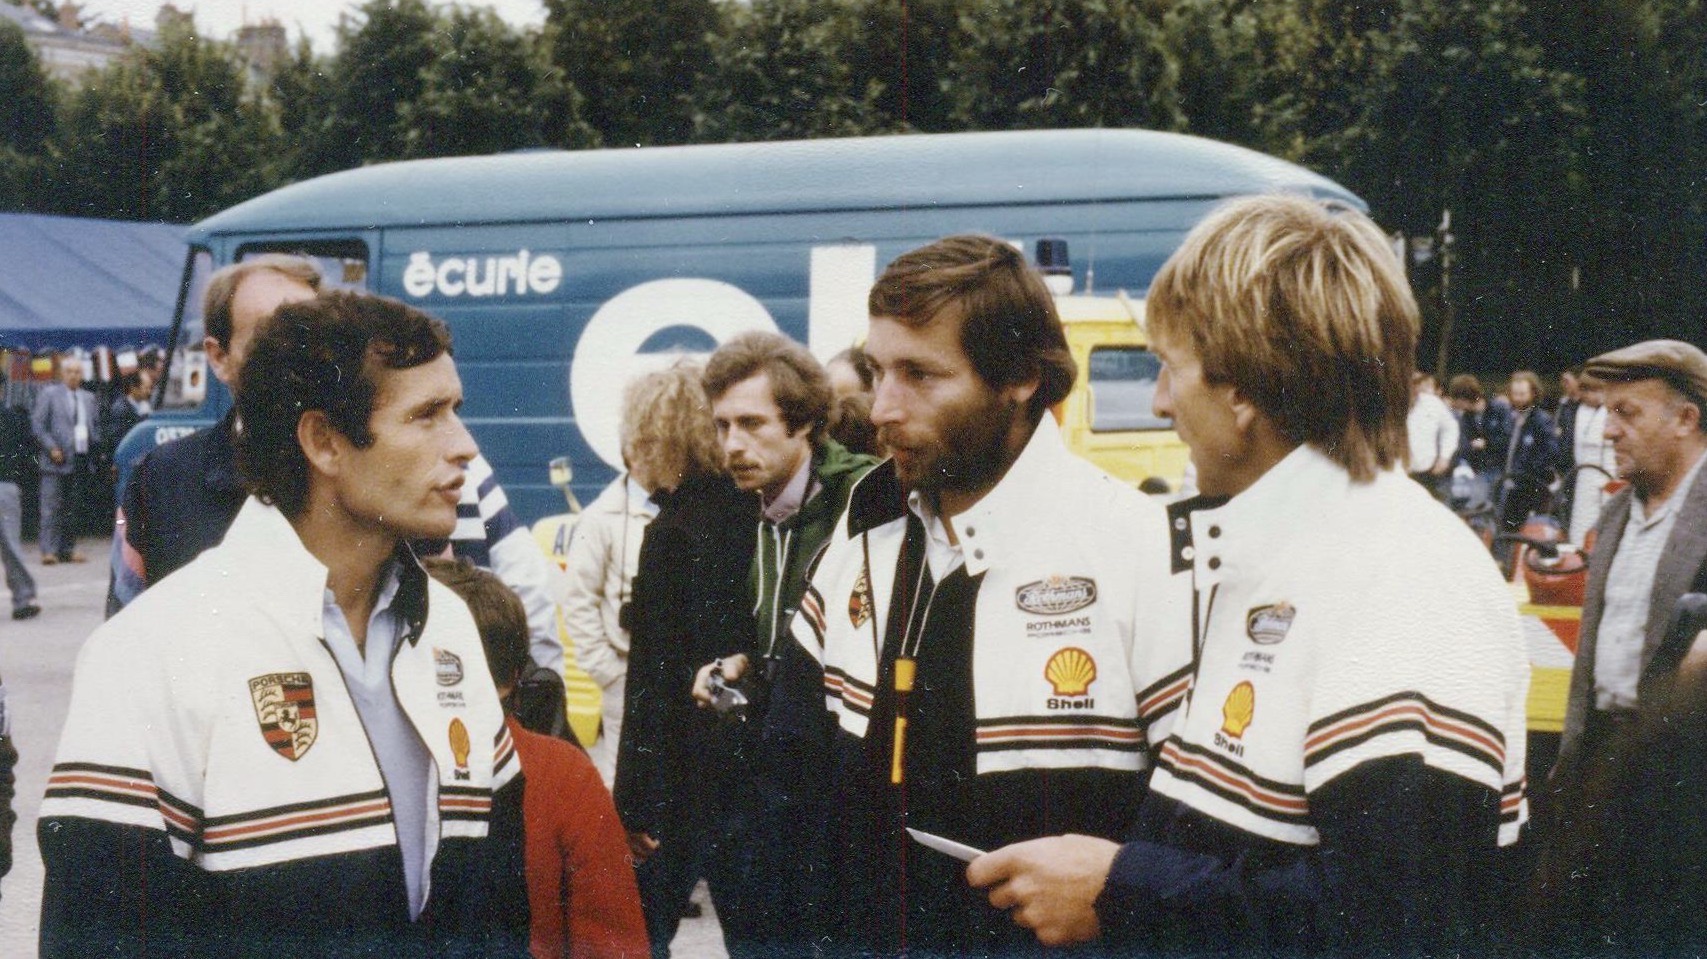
(1441, 466)
(1051, 885)
(733, 668)
(641, 846)
(57, 455)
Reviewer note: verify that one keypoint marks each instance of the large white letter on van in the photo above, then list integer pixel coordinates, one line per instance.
(608, 354)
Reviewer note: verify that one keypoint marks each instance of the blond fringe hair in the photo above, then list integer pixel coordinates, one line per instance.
(666, 412)
(1304, 309)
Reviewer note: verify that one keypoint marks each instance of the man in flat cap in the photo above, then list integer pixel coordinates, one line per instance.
(1624, 867)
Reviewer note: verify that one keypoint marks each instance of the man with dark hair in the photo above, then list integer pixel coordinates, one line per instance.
(183, 495)
(994, 624)
(313, 758)
(770, 400)
(1623, 868)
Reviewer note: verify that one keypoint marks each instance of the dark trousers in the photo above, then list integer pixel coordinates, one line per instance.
(62, 505)
(716, 848)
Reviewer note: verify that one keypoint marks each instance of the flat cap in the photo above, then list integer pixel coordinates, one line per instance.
(1682, 365)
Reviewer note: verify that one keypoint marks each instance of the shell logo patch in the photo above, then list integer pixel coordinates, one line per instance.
(1056, 595)
(1070, 671)
(459, 746)
(1239, 709)
(1267, 625)
(447, 667)
(284, 706)
(859, 601)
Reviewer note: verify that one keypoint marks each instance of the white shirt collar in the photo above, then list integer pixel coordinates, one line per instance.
(639, 501)
(792, 497)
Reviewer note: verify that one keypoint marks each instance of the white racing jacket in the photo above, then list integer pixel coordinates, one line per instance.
(1342, 623)
(1082, 640)
(210, 711)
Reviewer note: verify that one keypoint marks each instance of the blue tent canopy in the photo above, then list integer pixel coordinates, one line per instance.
(79, 282)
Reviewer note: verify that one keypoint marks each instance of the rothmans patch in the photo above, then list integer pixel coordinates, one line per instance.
(284, 705)
(1056, 595)
(447, 666)
(1267, 625)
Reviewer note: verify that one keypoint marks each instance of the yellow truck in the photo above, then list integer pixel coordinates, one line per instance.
(1107, 417)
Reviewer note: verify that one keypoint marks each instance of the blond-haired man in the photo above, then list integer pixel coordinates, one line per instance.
(1350, 760)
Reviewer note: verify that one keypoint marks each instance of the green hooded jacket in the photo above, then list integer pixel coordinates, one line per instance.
(788, 549)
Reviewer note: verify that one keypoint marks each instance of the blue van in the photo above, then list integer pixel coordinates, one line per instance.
(562, 274)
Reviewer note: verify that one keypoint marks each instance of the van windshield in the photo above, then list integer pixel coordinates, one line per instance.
(1123, 384)
(185, 384)
(343, 265)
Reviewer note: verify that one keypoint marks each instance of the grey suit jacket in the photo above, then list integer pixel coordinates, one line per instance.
(1684, 555)
(54, 422)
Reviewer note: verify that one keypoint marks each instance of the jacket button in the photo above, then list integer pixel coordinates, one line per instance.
(1214, 562)
(1179, 523)
(977, 554)
(971, 532)
(1214, 532)
(1188, 554)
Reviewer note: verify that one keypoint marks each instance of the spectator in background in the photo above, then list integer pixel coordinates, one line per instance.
(1582, 445)
(1433, 433)
(1622, 870)
(851, 379)
(1484, 431)
(581, 890)
(64, 422)
(850, 373)
(604, 555)
(771, 401)
(130, 406)
(678, 767)
(1570, 391)
(17, 447)
(851, 426)
(182, 496)
(1529, 460)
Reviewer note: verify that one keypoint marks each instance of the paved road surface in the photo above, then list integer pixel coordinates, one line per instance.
(36, 659)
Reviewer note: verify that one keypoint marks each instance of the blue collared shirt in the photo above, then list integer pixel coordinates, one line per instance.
(404, 761)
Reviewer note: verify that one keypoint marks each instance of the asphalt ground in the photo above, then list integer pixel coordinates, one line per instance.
(37, 658)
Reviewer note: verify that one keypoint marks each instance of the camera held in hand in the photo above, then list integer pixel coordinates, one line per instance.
(727, 699)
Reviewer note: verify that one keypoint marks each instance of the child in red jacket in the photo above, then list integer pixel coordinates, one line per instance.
(581, 886)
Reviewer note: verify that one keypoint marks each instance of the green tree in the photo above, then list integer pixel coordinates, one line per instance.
(903, 57)
(781, 71)
(166, 133)
(1062, 63)
(637, 64)
(27, 97)
(380, 66)
(487, 90)
(301, 90)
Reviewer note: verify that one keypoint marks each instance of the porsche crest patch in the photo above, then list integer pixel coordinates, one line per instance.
(284, 705)
(860, 602)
